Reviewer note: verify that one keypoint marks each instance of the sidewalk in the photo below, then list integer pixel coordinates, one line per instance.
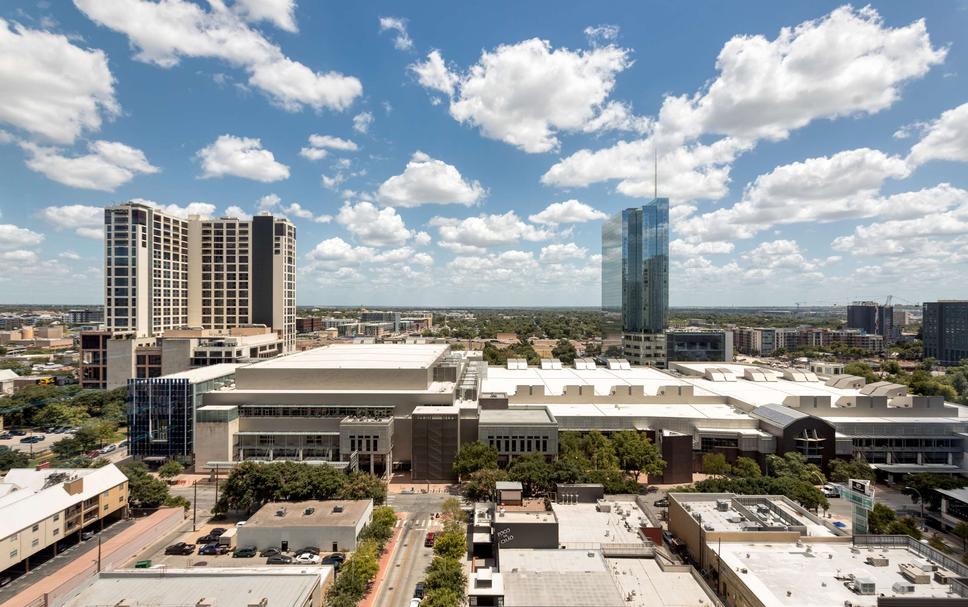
(85, 565)
(370, 599)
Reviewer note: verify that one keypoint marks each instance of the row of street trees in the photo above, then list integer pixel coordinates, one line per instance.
(446, 580)
(615, 461)
(356, 574)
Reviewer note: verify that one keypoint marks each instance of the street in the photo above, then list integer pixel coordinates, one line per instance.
(411, 559)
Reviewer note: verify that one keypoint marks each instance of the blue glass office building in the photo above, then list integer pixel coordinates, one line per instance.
(635, 267)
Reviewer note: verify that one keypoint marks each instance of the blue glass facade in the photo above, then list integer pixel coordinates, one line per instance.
(635, 267)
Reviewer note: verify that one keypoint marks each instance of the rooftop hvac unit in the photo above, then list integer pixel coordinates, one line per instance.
(697, 516)
(722, 505)
(902, 588)
(708, 527)
(281, 511)
(865, 586)
(878, 561)
(309, 511)
(337, 508)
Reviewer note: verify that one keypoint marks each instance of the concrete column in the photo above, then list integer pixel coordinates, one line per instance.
(371, 463)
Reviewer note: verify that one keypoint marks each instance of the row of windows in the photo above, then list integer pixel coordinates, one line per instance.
(320, 411)
(519, 444)
(364, 442)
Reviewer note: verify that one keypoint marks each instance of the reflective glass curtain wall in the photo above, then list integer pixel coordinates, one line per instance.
(635, 266)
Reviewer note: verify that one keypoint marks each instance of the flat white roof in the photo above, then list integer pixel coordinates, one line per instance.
(500, 379)
(809, 573)
(674, 410)
(291, 585)
(201, 374)
(584, 524)
(359, 356)
(557, 578)
(654, 587)
(734, 520)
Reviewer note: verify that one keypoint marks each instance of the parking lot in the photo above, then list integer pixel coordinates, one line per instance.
(158, 557)
(49, 439)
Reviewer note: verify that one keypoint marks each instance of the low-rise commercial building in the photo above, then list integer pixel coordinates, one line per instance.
(39, 508)
(331, 525)
(208, 587)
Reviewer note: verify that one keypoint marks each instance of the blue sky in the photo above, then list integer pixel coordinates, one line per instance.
(441, 153)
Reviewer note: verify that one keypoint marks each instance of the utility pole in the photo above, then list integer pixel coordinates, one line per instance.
(99, 553)
(194, 504)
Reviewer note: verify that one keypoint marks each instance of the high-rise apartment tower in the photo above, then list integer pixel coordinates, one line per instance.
(163, 272)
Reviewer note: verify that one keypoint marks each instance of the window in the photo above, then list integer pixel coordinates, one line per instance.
(35, 542)
(35, 527)
(56, 531)
(57, 517)
(13, 553)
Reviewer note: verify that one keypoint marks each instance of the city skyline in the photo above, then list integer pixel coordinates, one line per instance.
(376, 131)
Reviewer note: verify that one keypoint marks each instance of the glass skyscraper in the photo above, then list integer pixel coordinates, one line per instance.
(635, 267)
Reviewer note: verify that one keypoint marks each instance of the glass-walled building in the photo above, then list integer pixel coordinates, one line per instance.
(635, 277)
(161, 411)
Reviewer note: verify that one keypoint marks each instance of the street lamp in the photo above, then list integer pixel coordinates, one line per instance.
(920, 499)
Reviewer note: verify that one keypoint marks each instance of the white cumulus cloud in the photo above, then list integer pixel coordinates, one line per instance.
(569, 211)
(240, 157)
(402, 40)
(373, 226)
(165, 32)
(108, 164)
(427, 180)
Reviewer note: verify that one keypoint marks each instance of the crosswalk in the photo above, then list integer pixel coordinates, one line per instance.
(422, 523)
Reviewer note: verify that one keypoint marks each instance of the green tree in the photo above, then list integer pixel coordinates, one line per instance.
(861, 370)
(926, 485)
(880, 518)
(144, 490)
(447, 573)
(961, 530)
(12, 459)
(636, 453)
(451, 544)
(715, 464)
(480, 485)
(795, 465)
(451, 510)
(384, 516)
(170, 469)
(441, 597)
(533, 472)
(936, 542)
(474, 456)
(363, 485)
(841, 470)
(60, 414)
(564, 351)
(746, 467)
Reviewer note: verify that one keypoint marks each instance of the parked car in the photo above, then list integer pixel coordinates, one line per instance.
(4, 580)
(662, 503)
(335, 560)
(430, 539)
(213, 549)
(831, 490)
(418, 591)
(206, 539)
(180, 548)
(94, 453)
(245, 552)
(279, 559)
(31, 440)
(270, 552)
(309, 549)
(86, 535)
(414, 602)
(18, 433)
(6, 436)
(122, 444)
(308, 558)
(218, 532)
(108, 449)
